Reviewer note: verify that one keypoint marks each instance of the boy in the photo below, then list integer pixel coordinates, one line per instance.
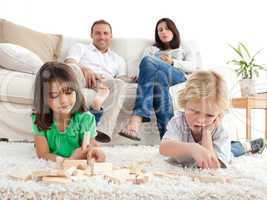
(197, 136)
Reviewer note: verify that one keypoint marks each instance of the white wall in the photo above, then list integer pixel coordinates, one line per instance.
(213, 24)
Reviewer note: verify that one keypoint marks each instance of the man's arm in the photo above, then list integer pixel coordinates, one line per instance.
(90, 77)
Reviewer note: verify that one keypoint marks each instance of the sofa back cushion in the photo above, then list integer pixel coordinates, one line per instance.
(46, 46)
(131, 49)
(17, 58)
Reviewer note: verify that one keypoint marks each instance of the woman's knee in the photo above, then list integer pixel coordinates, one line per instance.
(147, 62)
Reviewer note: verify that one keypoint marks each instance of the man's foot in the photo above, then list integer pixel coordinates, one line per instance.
(257, 145)
(102, 93)
(131, 130)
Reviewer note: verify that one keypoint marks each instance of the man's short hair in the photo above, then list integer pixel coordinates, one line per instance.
(101, 21)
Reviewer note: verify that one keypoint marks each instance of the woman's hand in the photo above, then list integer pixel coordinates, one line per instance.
(204, 158)
(167, 58)
(96, 154)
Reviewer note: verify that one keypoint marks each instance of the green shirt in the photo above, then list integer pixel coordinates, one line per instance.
(64, 143)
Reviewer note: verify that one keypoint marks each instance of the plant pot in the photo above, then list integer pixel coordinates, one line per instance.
(247, 87)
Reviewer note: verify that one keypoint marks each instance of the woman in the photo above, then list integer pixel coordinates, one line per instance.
(163, 65)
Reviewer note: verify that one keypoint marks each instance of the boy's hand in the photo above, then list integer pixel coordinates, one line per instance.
(213, 125)
(204, 158)
(96, 154)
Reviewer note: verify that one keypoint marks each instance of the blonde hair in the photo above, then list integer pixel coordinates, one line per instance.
(203, 84)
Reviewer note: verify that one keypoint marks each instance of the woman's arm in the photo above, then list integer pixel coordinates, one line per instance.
(190, 63)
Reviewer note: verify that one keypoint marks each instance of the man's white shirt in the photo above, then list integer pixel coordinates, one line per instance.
(108, 64)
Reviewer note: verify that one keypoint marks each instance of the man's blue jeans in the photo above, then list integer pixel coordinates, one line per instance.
(155, 78)
(97, 113)
(237, 148)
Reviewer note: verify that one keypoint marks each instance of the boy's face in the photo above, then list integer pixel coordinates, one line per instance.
(201, 113)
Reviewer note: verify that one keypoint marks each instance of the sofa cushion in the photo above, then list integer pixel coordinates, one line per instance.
(16, 87)
(46, 46)
(17, 58)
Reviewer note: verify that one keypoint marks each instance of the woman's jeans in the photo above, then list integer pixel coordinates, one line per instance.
(237, 148)
(155, 78)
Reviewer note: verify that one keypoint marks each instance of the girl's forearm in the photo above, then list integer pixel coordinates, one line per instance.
(48, 156)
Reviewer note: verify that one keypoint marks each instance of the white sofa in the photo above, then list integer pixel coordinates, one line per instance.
(16, 94)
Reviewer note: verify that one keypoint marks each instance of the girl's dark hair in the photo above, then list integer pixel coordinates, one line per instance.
(49, 72)
(176, 40)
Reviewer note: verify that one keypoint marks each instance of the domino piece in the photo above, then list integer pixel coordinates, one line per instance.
(79, 164)
(21, 175)
(117, 176)
(142, 178)
(209, 179)
(86, 141)
(99, 168)
(56, 180)
(55, 173)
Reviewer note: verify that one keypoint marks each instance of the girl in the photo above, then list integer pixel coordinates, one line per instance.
(163, 65)
(60, 120)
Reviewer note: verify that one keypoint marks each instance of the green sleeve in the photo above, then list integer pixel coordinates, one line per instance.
(88, 125)
(35, 129)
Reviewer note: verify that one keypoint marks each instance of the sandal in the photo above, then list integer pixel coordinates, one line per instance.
(132, 137)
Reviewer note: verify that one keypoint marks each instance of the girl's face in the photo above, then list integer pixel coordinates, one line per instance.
(201, 113)
(61, 98)
(165, 34)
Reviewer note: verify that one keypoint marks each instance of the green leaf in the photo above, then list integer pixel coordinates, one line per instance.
(245, 49)
(237, 50)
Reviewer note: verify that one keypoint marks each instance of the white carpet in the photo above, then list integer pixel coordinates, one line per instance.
(248, 175)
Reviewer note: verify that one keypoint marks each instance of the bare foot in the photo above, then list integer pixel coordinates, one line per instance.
(102, 93)
(132, 128)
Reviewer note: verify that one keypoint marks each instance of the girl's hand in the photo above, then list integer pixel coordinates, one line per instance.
(204, 158)
(96, 154)
(167, 58)
(79, 153)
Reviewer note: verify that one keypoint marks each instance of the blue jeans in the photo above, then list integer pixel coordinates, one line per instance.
(237, 148)
(155, 78)
(97, 113)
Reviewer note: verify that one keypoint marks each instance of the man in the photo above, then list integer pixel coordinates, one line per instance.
(101, 66)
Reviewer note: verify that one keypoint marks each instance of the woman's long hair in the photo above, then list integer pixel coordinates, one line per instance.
(50, 72)
(176, 40)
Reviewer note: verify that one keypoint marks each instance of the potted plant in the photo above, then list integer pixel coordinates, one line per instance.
(247, 69)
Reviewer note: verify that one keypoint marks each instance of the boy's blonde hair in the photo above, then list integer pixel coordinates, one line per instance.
(202, 84)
